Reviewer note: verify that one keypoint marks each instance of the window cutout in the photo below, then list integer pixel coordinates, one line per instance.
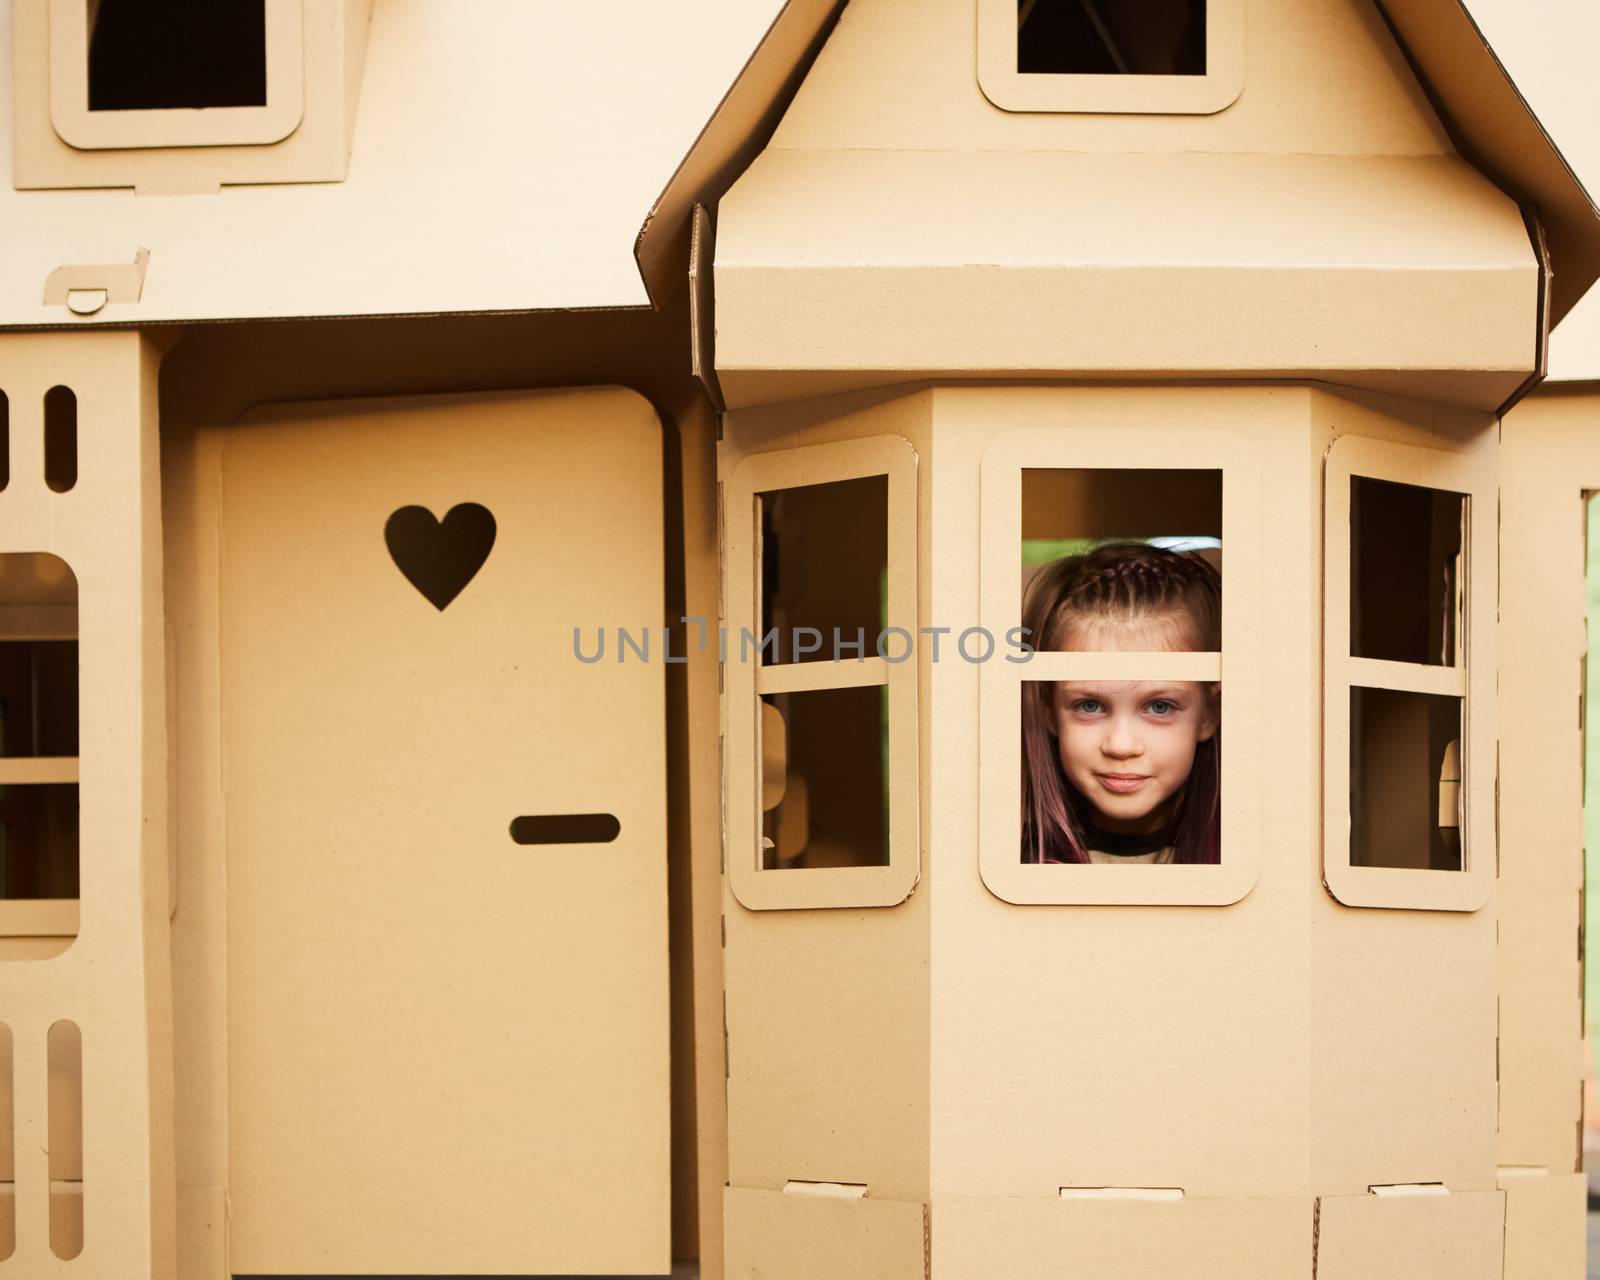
(821, 755)
(39, 740)
(1111, 37)
(824, 567)
(439, 557)
(65, 1057)
(1102, 775)
(60, 439)
(1405, 780)
(143, 74)
(1151, 57)
(1408, 680)
(565, 828)
(5, 441)
(825, 795)
(1407, 588)
(153, 55)
(8, 1148)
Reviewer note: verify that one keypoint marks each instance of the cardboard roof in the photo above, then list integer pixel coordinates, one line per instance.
(1493, 126)
(505, 156)
(1552, 60)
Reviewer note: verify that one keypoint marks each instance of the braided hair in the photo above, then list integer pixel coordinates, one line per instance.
(1117, 585)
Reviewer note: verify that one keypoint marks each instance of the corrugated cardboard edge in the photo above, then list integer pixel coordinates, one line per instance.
(702, 307)
(1492, 125)
(1541, 348)
(737, 130)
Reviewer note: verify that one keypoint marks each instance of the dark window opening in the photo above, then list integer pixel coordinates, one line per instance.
(824, 568)
(1405, 780)
(1407, 601)
(60, 439)
(154, 55)
(825, 770)
(1111, 37)
(39, 736)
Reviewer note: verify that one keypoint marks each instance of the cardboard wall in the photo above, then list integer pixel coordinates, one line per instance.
(91, 1026)
(1176, 1068)
(1549, 464)
(827, 1009)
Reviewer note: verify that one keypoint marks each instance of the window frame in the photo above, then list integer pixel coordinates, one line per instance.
(1406, 888)
(744, 682)
(1010, 90)
(1238, 667)
(89, 130)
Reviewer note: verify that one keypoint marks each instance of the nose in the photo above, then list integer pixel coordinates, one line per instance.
(1122, 740)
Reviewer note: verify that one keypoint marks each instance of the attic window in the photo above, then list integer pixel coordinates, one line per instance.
(152, 55)
(130, 74)
(1177, 57)
(1111, 37)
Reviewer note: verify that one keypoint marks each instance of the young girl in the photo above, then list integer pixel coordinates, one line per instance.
(1117, 772)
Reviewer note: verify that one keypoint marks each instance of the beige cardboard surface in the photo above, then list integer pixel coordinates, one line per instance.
(1104, 1052)
(391, 952)
(110, 1123)
(466, 112)
(773, 1235)
(1545, 1217)
(1429, 1237)
(1549, 460)
(1339, 265)
(1045, 1237)
(827, 1011)
(1402, 1003)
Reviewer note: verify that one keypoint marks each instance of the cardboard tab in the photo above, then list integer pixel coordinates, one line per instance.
(1421, 1237)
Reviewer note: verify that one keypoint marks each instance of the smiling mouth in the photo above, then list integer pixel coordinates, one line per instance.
(1122, 783)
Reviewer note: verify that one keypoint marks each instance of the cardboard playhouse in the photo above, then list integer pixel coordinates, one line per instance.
(445, 448)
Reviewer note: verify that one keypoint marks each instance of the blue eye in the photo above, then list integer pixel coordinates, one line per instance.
(1161, 707)
(1087, 706)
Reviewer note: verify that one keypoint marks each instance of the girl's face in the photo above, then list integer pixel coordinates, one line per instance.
(1129, 747)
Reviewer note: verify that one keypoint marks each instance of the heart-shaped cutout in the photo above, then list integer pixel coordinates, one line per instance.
(439, 557)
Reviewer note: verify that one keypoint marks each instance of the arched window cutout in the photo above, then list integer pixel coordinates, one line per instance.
(38, 755)
(60, 438)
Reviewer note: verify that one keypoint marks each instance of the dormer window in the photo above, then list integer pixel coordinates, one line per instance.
(175, 73)
(1181, 57)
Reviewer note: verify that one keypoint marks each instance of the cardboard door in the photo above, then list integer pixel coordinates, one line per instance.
(447, 1048)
